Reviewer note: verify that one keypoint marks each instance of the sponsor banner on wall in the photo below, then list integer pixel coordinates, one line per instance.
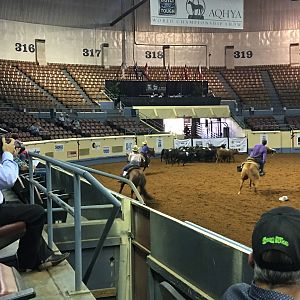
(106, 150)
(35, 150)
(182, 143)
(128, 145)
(206, 143)
(238, 143)
(96, 146)
(234, 143)
(59, 147)
(159, 144)
(227, 14)
(71, 154)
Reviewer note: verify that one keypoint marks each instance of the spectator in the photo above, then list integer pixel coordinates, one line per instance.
(67, 123)
(259, 154)
(134, 159)
(34, 129)
(61, 119)
(275, 258)
(32, 253)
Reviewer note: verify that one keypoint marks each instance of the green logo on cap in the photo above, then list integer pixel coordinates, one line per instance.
(274, 240)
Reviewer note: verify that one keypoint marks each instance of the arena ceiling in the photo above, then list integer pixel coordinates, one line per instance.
(259, 15)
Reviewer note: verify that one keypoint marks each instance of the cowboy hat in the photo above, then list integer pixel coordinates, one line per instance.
(144, 143)
(135, 148)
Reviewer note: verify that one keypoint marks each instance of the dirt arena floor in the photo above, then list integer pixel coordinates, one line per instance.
(206, 193)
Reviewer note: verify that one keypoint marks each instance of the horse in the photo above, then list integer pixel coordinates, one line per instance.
(145, 164)
(138, 178)
(250, 170)
(195, 7)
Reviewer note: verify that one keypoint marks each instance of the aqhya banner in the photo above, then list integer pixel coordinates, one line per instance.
(228, 14)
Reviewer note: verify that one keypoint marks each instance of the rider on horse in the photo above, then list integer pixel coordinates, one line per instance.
(134, 159)
(145, 152)
(259, 154)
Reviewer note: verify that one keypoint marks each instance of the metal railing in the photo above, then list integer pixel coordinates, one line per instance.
(75, 211)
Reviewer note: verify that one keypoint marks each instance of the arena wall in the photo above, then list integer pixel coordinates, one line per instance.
(97, 148)
(91, 149)
(87, 46)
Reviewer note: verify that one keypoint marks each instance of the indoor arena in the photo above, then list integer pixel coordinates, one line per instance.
(150, 149)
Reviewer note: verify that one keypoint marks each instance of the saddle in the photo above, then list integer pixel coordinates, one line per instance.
(130, 169)
(250, 160)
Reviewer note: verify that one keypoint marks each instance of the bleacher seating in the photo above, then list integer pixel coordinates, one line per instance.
(262, 123)
(293, 121)
(247, 84)
(20, 122)
(19, 91)
(26, 86)
(129, 126)
(286, 80)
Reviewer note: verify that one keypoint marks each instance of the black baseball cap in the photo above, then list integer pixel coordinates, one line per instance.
(278, 229)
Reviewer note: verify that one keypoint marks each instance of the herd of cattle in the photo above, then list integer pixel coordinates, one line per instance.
(197, 154)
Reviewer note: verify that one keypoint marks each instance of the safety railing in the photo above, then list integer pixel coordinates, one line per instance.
(121, 179)
(75, 211)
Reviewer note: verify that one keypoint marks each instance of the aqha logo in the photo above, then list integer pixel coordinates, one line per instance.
(195, 9)
(225, 14)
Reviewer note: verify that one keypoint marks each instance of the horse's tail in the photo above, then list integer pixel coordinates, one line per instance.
(143, 190)
(145, 194)
(162, 154)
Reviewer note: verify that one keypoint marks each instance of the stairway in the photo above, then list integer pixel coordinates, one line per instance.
(79, 89)
(269, 87)
(227, 87)
(57, 104)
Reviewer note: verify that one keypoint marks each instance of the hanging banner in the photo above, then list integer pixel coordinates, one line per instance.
(206, 143)
(228, 14)
(182, 143)
(159, 144)
(239, 144)
(128, 145)
(234, 143)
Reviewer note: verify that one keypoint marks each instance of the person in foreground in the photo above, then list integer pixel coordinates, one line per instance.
(275, 258)
(33, 253)
(259, 153)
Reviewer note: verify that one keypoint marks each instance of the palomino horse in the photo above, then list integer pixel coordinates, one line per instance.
(250, 170)
(146, 163)
(139, 180)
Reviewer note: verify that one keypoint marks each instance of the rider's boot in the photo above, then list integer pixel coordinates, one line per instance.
(261, 172)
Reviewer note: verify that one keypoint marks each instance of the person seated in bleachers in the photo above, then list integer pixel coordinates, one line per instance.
(61, 119)
(34, 129)
(134, 159)
(75, 124)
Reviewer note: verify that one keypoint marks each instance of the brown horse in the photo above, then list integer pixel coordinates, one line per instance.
(250, 170)
(138, 178)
